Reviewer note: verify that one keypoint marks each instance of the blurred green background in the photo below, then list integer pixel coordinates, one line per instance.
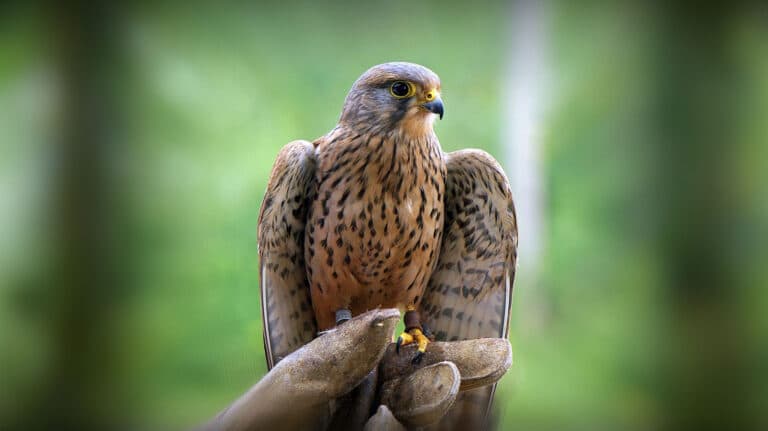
(137, 141)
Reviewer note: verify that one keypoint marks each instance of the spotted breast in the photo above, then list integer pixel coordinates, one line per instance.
(376, 221)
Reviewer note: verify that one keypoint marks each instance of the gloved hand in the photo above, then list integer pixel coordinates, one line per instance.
(333, 381)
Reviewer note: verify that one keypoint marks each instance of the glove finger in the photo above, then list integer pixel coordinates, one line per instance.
(352, 410)
(424, 396)
(334, 363)
(296, 392)
(480, 361)
(383, 420)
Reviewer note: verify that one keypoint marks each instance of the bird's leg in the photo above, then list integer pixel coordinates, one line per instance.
(342, 315)
(413, 333)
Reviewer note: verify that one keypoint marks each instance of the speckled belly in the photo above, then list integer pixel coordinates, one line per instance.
(368, 247)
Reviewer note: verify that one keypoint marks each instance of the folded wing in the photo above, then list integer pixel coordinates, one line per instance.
(286, 307)
(470, 290)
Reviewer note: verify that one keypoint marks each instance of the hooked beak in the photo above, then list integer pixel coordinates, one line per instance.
(435, 107)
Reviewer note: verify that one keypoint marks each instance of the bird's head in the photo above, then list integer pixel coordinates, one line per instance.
(394, 97)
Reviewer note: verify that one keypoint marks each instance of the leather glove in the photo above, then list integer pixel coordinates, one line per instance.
(335, 380)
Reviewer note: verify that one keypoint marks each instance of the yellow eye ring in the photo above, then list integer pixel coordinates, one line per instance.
(402, 89)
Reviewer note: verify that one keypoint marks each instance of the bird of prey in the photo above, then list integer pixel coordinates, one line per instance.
(375, 214)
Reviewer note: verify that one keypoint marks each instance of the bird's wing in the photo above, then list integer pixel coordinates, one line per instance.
(470, 290)
(286, 307)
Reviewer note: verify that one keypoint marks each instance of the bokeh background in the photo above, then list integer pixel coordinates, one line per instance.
(136, 141)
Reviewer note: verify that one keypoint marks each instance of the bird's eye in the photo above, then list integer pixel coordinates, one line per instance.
(401, 89)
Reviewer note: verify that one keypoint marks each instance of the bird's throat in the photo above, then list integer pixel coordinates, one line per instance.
(400, 161)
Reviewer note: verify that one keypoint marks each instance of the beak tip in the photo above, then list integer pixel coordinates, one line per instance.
(435, 107)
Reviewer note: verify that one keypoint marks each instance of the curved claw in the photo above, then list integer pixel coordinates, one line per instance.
(417, 359)
(427, 333)
(403, 340)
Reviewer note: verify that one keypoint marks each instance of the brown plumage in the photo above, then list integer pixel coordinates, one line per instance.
(374, 214)
(374, 228)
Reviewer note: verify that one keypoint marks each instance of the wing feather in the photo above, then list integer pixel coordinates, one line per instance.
(286, 306)
(470, 291)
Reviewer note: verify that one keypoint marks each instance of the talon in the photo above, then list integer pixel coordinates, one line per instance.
(414, 335)
(415, 332)
(421, 339)
(427, 332)
(403, 340)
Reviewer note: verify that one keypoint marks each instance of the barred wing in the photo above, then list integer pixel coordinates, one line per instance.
(470, 291)
(286, 307)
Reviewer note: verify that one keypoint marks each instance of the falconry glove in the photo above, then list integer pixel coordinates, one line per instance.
(328, 384)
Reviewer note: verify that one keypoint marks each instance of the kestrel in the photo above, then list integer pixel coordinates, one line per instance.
(374, 214)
